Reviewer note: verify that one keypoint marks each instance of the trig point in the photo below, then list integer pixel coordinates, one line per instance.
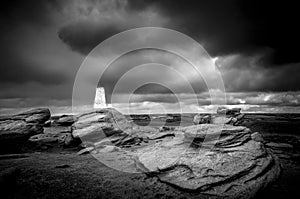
(100, 101)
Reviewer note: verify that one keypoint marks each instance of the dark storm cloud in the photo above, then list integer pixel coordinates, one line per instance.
(83, 36)
(17, 16)
(203, 20)
(164, 98)
(223, 27)
(34, 67)
(249, 28)
(235, 26)
(35, 12)
(17, 71)
(243, 74)
(44, 41)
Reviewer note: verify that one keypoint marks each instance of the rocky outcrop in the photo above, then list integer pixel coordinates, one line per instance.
(107, 127)
(224, 116)
(45, 141)
(15, 130)
(53, 138)
(213, 159)
(100, 124)
(228, 111)
(37, 115)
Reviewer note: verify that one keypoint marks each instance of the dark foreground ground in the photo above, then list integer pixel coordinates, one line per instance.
(64, 174)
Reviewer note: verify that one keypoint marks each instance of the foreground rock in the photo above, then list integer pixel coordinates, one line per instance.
(107, 126)
(54, 138)
(37, 115)
(15, 130)
(236, 167)
(216, 160)
(49, 141)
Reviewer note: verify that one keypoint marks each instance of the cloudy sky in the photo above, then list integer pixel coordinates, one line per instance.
(253, 43)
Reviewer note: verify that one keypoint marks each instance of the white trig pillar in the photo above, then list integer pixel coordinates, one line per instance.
(100, 101)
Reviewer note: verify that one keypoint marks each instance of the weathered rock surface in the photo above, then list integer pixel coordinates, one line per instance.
(202, 119)
(109, 126)
(223, 116)
(37, 115)
(228, 111)
(218, 160)
(105, 122)
(44, 141)
(15, 130)
(66, 120)
(236, 167)
(54, 137)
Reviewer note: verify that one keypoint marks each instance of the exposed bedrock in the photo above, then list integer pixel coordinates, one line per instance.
(236, 167)
(213, 159)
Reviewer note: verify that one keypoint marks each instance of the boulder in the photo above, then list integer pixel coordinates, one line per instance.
(236, 167)
(217, 119)
(223, 116)
(15, 133)
(202, 119)
(53, 137)
(109, 127)
(65, 120)
(37, 115)
(227, 116)
(228, 111)
(51, 140)
(16, 129)
(97, 125)
(46, 138)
